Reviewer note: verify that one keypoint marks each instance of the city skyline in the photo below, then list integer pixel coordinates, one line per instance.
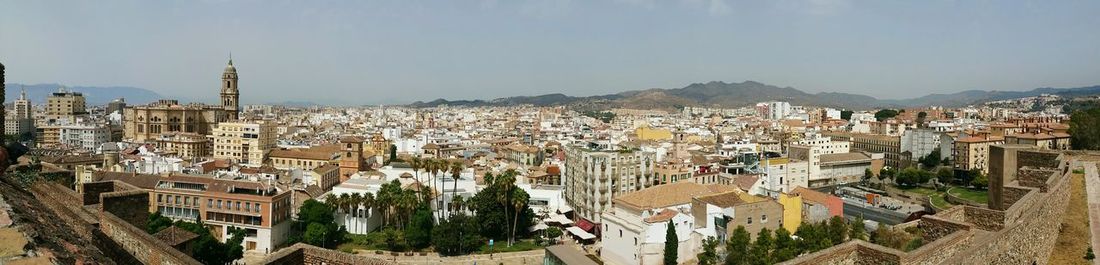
(492, 49)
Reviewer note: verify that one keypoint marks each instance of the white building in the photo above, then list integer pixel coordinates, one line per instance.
(594, 177)
(246, 143)
(86, 137)
(778, 110)
(920, 142)
(633, 232)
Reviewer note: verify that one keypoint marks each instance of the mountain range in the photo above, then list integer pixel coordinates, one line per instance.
(92, 95)
(722, 94)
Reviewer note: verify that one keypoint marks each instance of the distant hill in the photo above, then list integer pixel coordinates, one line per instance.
(722, 94)
(94, 95)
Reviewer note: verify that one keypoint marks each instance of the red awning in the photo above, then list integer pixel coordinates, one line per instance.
(585, 225)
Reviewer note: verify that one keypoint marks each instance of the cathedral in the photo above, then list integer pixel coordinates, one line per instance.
(147, 123)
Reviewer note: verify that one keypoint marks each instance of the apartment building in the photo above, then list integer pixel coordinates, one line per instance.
(594, 177)
(187, 146)
(973, 152)
(245, 142)
(262, 210)
(65, 105)
(634, 230)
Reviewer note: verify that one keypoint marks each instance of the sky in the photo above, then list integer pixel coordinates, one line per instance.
(391, 52)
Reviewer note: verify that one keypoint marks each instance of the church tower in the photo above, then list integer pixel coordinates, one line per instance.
(230, 95)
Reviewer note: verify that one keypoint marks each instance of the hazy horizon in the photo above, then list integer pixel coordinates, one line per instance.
(397, 52)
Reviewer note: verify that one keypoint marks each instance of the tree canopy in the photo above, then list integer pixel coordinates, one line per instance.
(1084, 129)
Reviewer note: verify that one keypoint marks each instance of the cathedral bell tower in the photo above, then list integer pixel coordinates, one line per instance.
(230, 95)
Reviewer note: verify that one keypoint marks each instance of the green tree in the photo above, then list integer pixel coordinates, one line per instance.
(1084, 129)
(419, 231)
(157, 222)
(980, 181)
(207, 249)
(393, 238)
(884, 114)
(393, 152)
(945, 175)
(457, 235)
(316, 234)
(553, 234)
(921, 116)
(785, 247)
(671, 244)
(760, 254)
(709, 256)
(931, 160)
(846, 114)
(1089, 256)
(856, 229)
(737, 248)
(838, 229)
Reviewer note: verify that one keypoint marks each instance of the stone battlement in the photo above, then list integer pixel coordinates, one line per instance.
(1033, 192)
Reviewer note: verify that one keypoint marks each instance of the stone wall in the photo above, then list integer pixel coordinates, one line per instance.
(984, 218)
(1035, 177)
(1022, 234)
(303, 254)
(1037, 159)
(142, 246)
(93, 189)
(132, 206)
(1012, 194)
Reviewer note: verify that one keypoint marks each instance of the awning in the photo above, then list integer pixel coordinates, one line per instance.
(559, 219)
(585, 224)
(564, 209)
(580, 233)
(537, 227)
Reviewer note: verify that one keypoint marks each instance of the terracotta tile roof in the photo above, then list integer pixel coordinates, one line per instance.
(175, 236)
(975, 139)
(745, 182)
(143, 181)
(300, 154)
(843, 157)
(666, 195)
(813, 195)
(663, 216)
(723, 200)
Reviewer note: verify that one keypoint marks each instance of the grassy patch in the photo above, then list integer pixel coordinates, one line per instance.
(978, 196)
(939, 202)
(919, 190)
(1074, 232)
(499, 247)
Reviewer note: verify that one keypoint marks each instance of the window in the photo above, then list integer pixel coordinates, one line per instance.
(209, 203)
(160, 197)
(764, 218)
(248, 206)
(750, 220)
(238, 206)
(620, 233)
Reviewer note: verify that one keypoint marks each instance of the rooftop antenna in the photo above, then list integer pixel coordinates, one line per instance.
(230, 57)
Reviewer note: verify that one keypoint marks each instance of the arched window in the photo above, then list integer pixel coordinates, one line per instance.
(228, 83)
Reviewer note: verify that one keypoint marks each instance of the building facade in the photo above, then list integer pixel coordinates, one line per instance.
(145, 123)
(65, 105)
(247, 143)
(594, 177)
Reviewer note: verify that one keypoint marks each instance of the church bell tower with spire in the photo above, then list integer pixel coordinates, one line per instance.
(230, 94)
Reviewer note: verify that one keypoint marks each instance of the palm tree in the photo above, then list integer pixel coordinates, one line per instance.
(368, 204)
(332, 201)
(457, 203)
(519, 201)
(505, 183)
(408, 204)
(415, 163)
(456, 173)
(353, 205)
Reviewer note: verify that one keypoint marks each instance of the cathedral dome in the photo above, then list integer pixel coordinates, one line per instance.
(229, 68)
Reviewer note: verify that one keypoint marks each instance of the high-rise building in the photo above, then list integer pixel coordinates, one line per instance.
(65, 105)
(117, 105)
(247, 143)
(594, 177)
(22, 106)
